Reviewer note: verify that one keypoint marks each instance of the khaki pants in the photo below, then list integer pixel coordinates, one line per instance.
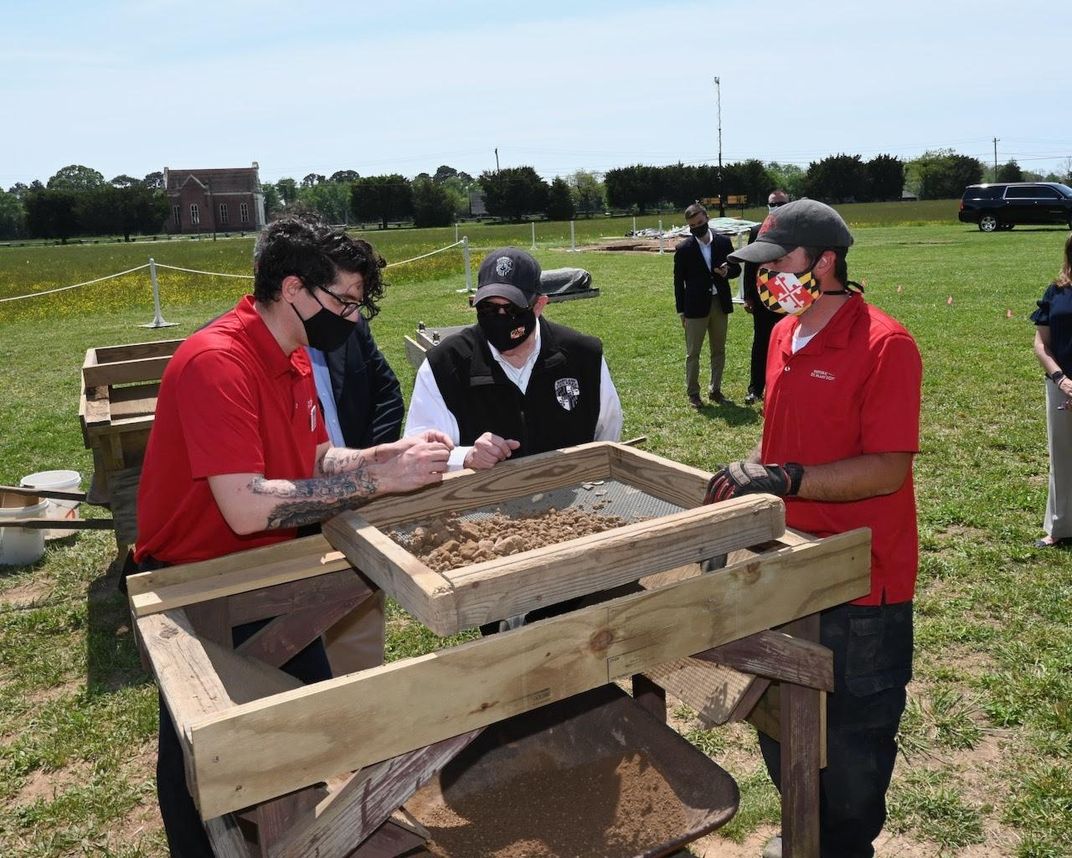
(1058, 520)
(713, 326)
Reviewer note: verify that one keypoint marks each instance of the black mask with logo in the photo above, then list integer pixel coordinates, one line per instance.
(507, 330)
(326, 330)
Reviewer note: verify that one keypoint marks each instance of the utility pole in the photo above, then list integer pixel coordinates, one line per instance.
(496, 159)
(995, 159)
(721, 189)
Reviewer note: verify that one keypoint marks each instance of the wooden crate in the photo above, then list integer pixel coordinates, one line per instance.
(116, 408)
(473, 595)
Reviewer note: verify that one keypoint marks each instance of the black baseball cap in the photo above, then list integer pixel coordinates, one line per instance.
(801, 223)
(508, 273)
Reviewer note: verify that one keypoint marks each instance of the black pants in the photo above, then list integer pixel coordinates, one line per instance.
(185, 834)
(763, 322)
(872, 648)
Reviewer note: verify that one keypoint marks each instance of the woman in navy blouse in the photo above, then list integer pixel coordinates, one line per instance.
(1053, 348)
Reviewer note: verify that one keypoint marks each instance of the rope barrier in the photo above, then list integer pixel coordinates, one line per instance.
(75, 286)
(199, 271)
(209, 273)
(425, 255)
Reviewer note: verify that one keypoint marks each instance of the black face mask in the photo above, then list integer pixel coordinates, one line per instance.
(507, 331)
(699, 231)
(325, 330)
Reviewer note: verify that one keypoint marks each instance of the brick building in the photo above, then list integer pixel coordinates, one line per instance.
(221, 200)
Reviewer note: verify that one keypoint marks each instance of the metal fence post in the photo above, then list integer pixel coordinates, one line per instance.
(572, 237)
(158, 318)
(660, 235)
(468, 265)
(534, 235)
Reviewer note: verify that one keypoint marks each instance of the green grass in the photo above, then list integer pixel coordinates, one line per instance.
(994, 618)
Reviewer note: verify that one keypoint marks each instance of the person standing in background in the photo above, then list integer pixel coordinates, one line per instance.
(1053, 348)
(763, 318)
(703, 301)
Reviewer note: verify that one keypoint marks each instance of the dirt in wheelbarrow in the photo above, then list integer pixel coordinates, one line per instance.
(616, 806)
(451, 542)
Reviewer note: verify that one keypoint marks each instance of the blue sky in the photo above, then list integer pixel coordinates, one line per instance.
(132, 86)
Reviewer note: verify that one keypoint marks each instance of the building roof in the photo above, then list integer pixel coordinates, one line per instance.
(222, 180)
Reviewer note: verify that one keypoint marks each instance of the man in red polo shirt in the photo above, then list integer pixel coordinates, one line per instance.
(840, 430)
(238, 456)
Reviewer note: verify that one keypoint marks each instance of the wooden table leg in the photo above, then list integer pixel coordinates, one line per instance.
(651, 696)
(801, 725)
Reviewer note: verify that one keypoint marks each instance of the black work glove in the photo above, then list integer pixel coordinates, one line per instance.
(746, 478)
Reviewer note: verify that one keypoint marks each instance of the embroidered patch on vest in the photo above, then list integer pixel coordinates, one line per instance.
(567, 392)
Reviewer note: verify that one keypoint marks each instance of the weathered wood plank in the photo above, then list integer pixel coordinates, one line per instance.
(424, 593)
(306, 593)
(671, 481)
(800, 770)
(132, 351)
(288, 634)
(367, 800)
(125, 372)
(260, 750)
(775, 655)
(711, 689)
(226, 837)
(176, 586)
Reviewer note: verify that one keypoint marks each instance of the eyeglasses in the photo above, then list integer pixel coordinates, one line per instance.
(776, 205)
(348, 307)
(488, 309)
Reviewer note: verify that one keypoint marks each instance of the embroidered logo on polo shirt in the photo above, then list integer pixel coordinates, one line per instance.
(823, 375)
(567, 392)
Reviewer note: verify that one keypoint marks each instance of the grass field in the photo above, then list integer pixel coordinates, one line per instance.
(986, 765)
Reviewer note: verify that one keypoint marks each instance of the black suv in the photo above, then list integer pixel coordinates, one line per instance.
(1004, 204)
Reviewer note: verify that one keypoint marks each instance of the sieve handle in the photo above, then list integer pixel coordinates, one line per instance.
(43, 493)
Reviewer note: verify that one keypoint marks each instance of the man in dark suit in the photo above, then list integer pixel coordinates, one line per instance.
(366, 393)
(703, 301)
(763, 319)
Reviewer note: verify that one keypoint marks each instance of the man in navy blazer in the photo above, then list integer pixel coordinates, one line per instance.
(703, 301)
(368, 397)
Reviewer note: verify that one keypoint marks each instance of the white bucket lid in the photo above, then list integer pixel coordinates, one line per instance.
(52, 480)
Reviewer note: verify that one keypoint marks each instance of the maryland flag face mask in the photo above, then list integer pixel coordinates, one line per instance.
(786, 292)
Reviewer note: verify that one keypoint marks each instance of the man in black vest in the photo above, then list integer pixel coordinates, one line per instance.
(703, 301)
(763, 319)
(514, 383)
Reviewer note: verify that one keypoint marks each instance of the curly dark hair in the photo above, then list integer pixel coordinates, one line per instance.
(306, 247)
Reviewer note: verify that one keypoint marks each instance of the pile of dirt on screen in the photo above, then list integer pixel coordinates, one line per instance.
(616, 806)
(451, 541)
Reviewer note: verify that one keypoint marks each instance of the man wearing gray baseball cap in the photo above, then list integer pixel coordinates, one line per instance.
(514, 383)
(840, 430)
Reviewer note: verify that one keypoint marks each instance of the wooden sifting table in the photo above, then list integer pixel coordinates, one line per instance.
(322, 768)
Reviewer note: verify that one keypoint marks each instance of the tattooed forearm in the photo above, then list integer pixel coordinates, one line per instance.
(338, 460)
(299, 513)
(309, 501)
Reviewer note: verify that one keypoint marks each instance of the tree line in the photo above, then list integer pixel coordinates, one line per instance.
(78, 201)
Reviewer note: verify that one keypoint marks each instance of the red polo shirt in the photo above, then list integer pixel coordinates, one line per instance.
(853, 389)
(230, 402)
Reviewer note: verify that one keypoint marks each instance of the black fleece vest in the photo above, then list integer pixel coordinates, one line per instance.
(560, 407)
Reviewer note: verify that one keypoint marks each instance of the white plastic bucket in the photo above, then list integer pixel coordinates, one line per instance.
(20, 546)
(58, 481)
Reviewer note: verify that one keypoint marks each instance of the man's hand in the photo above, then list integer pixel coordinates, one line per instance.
(418, 463)
(748, 305)
(489, 450)
(746, 478)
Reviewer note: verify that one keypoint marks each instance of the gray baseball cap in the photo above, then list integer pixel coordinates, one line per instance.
(508, 273)
(801, 223)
